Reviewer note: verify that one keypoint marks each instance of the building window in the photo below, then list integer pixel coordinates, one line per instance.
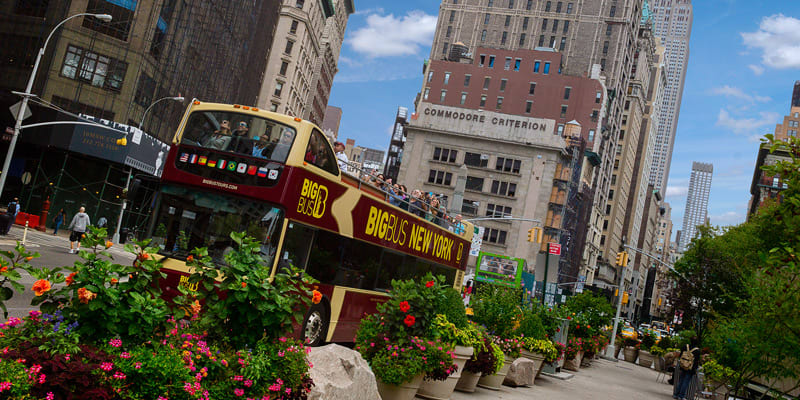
(491, 61)
(528, 106)
(563, 111)
(597, 97)
(566, 27)
(496, 210)
(541, 40)
(449, 31)
(552, 42)
(546, 68)
(547, 6)
(490, 3)
(299, 4)
(499, 103)
(522, 39)
(444, 47)
(525, 23)
(555, 25)
(430, 76)
(284, 67)
(595, 114)
(502, 188)
(510, 3)
(463, 98)
(273, 107)
(503, 38)
(76, 107)
(560, 130)
(544, 24)
(144, 91)
(508, 20)
(602, 64)
(293, 28)
(474, 183)
(508, 165)
(536, 65)
(443, 95)
(567, 91)
(483, 100)
(278, 89)
(440, 177)
(289, 46)
(529, 5)
(605, 47)
(507, 65)
(486, 82)
(482, 59)
(532, 89)
(444, 155)
(98, 70)
(503, 83)
(563, 44)
(611, 194)
(122, 17)
(446, 78)
(466, 80)
(495, 236)
(613, 11)
(476, 160)
(517, 63)
(569, 8)
(426, 94)
(591, 135)
(558, 7)
(609, 29)
(487, 18)
(470, 207)
(483, 37)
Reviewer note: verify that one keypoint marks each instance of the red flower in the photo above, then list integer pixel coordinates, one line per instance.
(429, 284)
(71, 278)
(404, 306)
(410, 319)
(190, 258)
(41, 286)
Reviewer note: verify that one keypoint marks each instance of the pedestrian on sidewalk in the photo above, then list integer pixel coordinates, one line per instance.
(78, 227)
(60, 217)
(11, 212)
(687, 363)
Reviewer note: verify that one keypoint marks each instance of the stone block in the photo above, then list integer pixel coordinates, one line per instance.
(340, 373)
(521, 373)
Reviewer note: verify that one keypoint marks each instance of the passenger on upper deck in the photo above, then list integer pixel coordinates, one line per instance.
(241, 143)
(281, 150)
(338, 147)
(262, 148)
(221, 137)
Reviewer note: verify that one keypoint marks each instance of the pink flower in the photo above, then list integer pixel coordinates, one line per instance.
(125, 354)
(137, 365)
(238, 392)
(50, 396)
(42, 378)
(119, 375)
(248, 383)
(106, 366)
(282, 339)
(115, 342)
(34, 313)
(5, 386)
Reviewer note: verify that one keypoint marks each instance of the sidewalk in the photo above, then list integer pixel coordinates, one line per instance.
(604, 380)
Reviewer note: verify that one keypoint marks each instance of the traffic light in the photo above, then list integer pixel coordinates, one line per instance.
(622, 258)
(535, 235)
(624, 297)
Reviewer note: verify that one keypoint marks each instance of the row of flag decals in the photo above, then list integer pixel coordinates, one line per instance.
(242, 168)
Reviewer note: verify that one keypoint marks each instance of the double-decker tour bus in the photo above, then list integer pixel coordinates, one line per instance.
(235, 168)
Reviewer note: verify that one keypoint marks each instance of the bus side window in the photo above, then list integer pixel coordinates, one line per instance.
(320, 154)
(296, 245)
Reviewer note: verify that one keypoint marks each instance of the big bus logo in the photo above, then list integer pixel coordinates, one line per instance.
(312, 199)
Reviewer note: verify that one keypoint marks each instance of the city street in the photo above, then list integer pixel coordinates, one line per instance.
(604, 380)
(54, 253)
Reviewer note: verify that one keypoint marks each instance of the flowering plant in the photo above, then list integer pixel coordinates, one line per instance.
(10, 264)
(487, 359)
(250, 299)
(412, 306)
(497, 308)
(48, 332)
(574, 345)
(509, 347)
(630, 342)
(560, 348)
(443, 329)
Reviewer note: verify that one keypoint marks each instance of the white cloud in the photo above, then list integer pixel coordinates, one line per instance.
(728, 218)
(677, 191)
(389, 36)
(730, 91)
(778, 37)
(746, 125)
(757, 69)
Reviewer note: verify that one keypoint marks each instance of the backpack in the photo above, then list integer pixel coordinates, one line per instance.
(687, 359)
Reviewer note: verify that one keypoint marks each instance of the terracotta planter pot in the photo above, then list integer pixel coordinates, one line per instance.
(405, 391)
(442, 390)
(468, 381)
(493, 382)
(645, 358)
(631, 353)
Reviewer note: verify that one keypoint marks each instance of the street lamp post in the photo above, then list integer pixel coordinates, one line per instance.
(116, 236)
(27, 94)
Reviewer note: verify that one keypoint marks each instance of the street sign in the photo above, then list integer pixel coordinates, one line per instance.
(554, 248)
(477, 240)
(579, 285)
(26, 178)
(15, 110)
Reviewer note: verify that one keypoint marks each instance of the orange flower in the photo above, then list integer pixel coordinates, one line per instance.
(83, 236)
(144, 256)
(109, 243)
(71, 278)
(244, 284)
(316, 297)
(41, 286)
(189, 258)
(3, 269)
(28, 258)
(86, 295)
(196, 307)
(114, 281)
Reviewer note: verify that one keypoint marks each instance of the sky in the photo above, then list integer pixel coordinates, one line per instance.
(744, 60)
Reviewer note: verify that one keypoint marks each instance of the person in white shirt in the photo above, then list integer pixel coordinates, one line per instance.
(338, 147)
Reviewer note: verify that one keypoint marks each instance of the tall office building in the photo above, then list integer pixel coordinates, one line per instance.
(796, 94)
(301, 67)
(673, 26)
(395, 154)
(696, 202)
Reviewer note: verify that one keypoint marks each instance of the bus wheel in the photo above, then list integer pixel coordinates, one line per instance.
(315, 325)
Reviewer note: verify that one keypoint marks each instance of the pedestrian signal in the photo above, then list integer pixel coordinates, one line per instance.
(535, 235)
(622, 258)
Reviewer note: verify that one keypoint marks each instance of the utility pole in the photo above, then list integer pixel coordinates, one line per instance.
(622, 262)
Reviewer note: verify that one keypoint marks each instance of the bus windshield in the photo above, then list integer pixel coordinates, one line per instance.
(188, 218)
(239, 133)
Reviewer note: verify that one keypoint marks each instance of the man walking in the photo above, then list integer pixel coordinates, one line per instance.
(78, 227)
(11, 211)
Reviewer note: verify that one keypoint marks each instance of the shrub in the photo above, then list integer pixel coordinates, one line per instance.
(497, 308)
(530, 326)
(468, 336)
(412, 306)
(250, 299)
(574, 346)
(488, 360)
(509, 347)
(665, 342)
(452, 307)
(560, 348)
(656, 350)
(648, 340)
(541, 346)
